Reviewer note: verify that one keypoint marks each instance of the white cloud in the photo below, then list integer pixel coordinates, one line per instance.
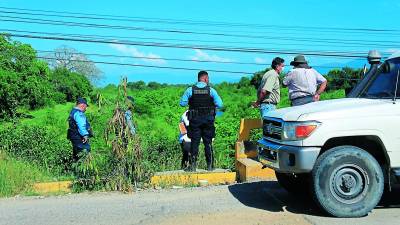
(260, 60)
(132, 51)
(201, 55)
(392, 50)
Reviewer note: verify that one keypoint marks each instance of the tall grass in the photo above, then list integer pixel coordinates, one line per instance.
(18, 176)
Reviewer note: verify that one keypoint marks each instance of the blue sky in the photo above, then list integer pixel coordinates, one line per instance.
(280, 20)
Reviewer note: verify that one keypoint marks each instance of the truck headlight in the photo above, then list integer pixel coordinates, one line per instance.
(298, 130)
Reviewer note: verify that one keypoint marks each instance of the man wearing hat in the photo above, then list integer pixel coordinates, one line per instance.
(302, 82)
(79, 129)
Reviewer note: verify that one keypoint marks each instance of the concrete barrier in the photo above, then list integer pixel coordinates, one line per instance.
(51, 187)
(247, 166)
(180, 177)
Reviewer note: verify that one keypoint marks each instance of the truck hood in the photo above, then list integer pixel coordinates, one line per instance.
(336, 108)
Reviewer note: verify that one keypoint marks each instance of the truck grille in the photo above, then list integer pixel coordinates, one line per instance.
(272, 129)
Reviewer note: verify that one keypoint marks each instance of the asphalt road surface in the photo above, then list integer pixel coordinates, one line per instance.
(248, 203)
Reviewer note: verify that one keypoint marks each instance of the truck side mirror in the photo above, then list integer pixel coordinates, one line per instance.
(387, 67)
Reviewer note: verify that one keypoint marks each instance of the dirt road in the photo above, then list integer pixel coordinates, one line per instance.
(249, 203)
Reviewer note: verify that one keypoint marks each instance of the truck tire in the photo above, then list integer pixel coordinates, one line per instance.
(347, 182)
(294, 183)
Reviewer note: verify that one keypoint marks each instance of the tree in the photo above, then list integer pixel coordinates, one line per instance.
(257, 77)
(140, 85)
(74, 61)
(26, 82)
(15, 56)
(154, 85)
(244, 82)
(72, 85)
(345, 78)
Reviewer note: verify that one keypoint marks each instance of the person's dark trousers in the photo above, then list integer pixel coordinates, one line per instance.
(185, 154)
(201, 128)
(77, 148)
(302, 100)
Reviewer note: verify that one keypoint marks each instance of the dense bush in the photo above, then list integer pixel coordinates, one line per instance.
(38, 145)
(9, 96)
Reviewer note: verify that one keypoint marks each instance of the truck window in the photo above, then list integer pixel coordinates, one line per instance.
(383, 86)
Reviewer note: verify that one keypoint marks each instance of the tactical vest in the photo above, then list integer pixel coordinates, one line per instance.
(73, 132)
(201, 103)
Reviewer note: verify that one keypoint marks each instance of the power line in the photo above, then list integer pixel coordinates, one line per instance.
(160, 21)
(186, 32)
(150, 66)
(169, 67)
(162, 58)
(180, 40)
(172, 59)
(212, 48)
(201, 47)
(197, 22)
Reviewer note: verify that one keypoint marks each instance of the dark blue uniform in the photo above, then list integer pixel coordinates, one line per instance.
(202, 101)
(79, 127)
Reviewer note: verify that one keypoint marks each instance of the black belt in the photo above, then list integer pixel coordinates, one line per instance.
(305, 96)
(272, 103)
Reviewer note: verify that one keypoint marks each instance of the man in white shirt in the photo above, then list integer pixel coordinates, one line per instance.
(302, 82)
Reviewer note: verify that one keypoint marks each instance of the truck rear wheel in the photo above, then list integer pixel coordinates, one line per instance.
(294, 183)
(347, 181)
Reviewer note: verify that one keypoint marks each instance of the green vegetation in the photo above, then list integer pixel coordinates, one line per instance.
(28, 83)
(345, 78)
(18, 176)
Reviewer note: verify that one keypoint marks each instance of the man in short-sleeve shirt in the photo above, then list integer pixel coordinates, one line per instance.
(268, 93)
(203, 101)
(302, 82)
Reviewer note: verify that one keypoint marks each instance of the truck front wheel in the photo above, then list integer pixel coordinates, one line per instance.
(347, 181)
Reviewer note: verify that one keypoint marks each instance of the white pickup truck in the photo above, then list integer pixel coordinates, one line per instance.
(346, 151)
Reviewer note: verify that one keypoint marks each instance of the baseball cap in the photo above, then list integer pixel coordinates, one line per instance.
(81, 101)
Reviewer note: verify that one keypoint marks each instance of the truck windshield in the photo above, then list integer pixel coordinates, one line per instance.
(384, 83)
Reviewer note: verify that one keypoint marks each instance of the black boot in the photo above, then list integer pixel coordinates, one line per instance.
(210, 165)
(192, 165)
(188, 168)
(210, 160)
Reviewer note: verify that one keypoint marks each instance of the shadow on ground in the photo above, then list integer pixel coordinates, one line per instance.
(270, 196)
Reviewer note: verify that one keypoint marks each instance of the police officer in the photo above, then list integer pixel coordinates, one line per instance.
(79, 129)
(203, 101)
